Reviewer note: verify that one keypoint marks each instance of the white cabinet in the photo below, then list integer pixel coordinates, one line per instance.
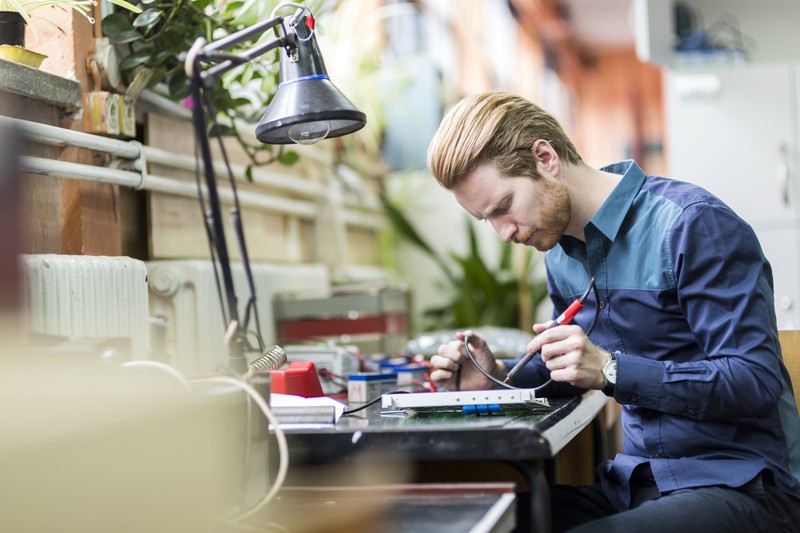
(714, 30)
(734, 131)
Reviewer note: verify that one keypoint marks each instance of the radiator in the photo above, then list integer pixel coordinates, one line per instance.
(87, 297)
(185, 301)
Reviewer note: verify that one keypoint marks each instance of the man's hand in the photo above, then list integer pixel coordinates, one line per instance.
(452, 357)
(569, 355)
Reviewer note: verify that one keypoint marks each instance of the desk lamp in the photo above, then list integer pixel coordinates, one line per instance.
(306, 108)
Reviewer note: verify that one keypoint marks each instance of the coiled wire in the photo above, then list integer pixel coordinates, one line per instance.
(272, 359)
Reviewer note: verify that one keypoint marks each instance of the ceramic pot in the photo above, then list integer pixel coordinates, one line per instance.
(12, 28)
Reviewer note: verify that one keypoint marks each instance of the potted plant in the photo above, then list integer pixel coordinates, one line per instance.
(16, 14)
(478, 296)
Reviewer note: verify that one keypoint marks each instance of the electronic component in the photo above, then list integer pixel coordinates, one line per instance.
(365, 386)
(300, 379)
(272, 359)
(339, 361)
(475, 400)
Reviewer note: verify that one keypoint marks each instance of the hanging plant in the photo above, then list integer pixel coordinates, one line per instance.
(15, 15)
(26, 7)
(152, 43)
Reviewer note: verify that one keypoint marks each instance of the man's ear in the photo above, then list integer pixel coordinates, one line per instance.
(546, 155)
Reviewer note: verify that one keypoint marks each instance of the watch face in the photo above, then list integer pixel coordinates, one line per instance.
(610, 372)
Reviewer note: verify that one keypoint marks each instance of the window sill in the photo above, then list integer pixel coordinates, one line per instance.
(42, 86)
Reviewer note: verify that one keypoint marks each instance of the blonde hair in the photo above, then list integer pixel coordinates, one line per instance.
(497, 128)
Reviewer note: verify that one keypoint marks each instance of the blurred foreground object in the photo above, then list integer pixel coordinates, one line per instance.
(11, 144)
(93, 447)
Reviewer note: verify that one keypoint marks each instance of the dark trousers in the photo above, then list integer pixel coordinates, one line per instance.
(756, 507)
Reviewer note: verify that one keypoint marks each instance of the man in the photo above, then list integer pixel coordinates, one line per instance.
(685, 340)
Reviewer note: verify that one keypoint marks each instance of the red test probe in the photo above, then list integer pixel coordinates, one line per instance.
(564, 318)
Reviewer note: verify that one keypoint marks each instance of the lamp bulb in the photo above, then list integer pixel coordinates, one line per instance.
(309, 133)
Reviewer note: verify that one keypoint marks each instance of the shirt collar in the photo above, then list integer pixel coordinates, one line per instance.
(609, 217)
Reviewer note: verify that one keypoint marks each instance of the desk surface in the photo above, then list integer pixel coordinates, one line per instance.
(517, 436)
(520, 438)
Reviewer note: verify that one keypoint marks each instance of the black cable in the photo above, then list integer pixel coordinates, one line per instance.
(596, 309)
(480, 368)
(238, 230)
(370, 402)
(592, 287)
(206, 215)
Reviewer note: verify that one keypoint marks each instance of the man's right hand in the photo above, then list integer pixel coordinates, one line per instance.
(452, 357)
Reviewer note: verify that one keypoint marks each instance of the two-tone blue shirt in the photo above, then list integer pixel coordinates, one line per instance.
(686, 304)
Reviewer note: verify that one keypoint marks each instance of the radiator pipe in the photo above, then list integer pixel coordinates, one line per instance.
(367, 217)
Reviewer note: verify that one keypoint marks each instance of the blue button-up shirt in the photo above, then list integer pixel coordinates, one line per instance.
(686, 304)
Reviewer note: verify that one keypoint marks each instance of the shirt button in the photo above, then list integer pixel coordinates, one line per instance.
(634, 398)
(692, 411)
(602, 304)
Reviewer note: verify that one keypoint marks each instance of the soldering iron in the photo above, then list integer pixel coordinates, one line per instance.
(564, 318)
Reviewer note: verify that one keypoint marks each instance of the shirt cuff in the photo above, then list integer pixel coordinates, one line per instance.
(638, 381)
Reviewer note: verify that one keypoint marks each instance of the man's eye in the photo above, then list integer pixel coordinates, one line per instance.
(502, 209)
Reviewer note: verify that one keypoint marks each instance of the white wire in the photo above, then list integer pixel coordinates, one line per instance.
(191, 56)
(297, 6)
(163, 367)
(280, 437)
(282, 5)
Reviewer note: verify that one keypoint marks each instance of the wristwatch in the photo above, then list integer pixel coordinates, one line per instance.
(609, 372)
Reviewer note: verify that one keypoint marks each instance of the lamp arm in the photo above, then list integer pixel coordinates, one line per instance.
(212, 52)
(231, 61)
(243, 34)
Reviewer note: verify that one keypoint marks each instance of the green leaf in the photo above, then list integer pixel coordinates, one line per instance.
(148, 18)
(178, 86)
(124, 37)
(126, 5)
(135, 60)
(405, 228)
(220, 130)
(506, 251)
(407, 231)
(289, 157)
(246, 75)
(157, 76)
(116, 23)
(241, 101)
(202, 4)
(162, 56)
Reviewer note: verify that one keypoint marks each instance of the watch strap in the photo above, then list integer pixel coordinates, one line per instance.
(608, 386)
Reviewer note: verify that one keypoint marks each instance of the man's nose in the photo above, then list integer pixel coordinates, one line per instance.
(506, 231)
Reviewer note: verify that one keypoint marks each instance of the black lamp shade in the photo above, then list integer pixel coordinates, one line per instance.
(307, 106)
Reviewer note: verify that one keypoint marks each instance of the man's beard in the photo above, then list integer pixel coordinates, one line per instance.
(556, 212)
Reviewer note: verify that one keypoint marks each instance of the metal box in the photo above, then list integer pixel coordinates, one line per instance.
(372, 317)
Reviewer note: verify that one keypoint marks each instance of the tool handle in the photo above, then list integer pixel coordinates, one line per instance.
(564, 318)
